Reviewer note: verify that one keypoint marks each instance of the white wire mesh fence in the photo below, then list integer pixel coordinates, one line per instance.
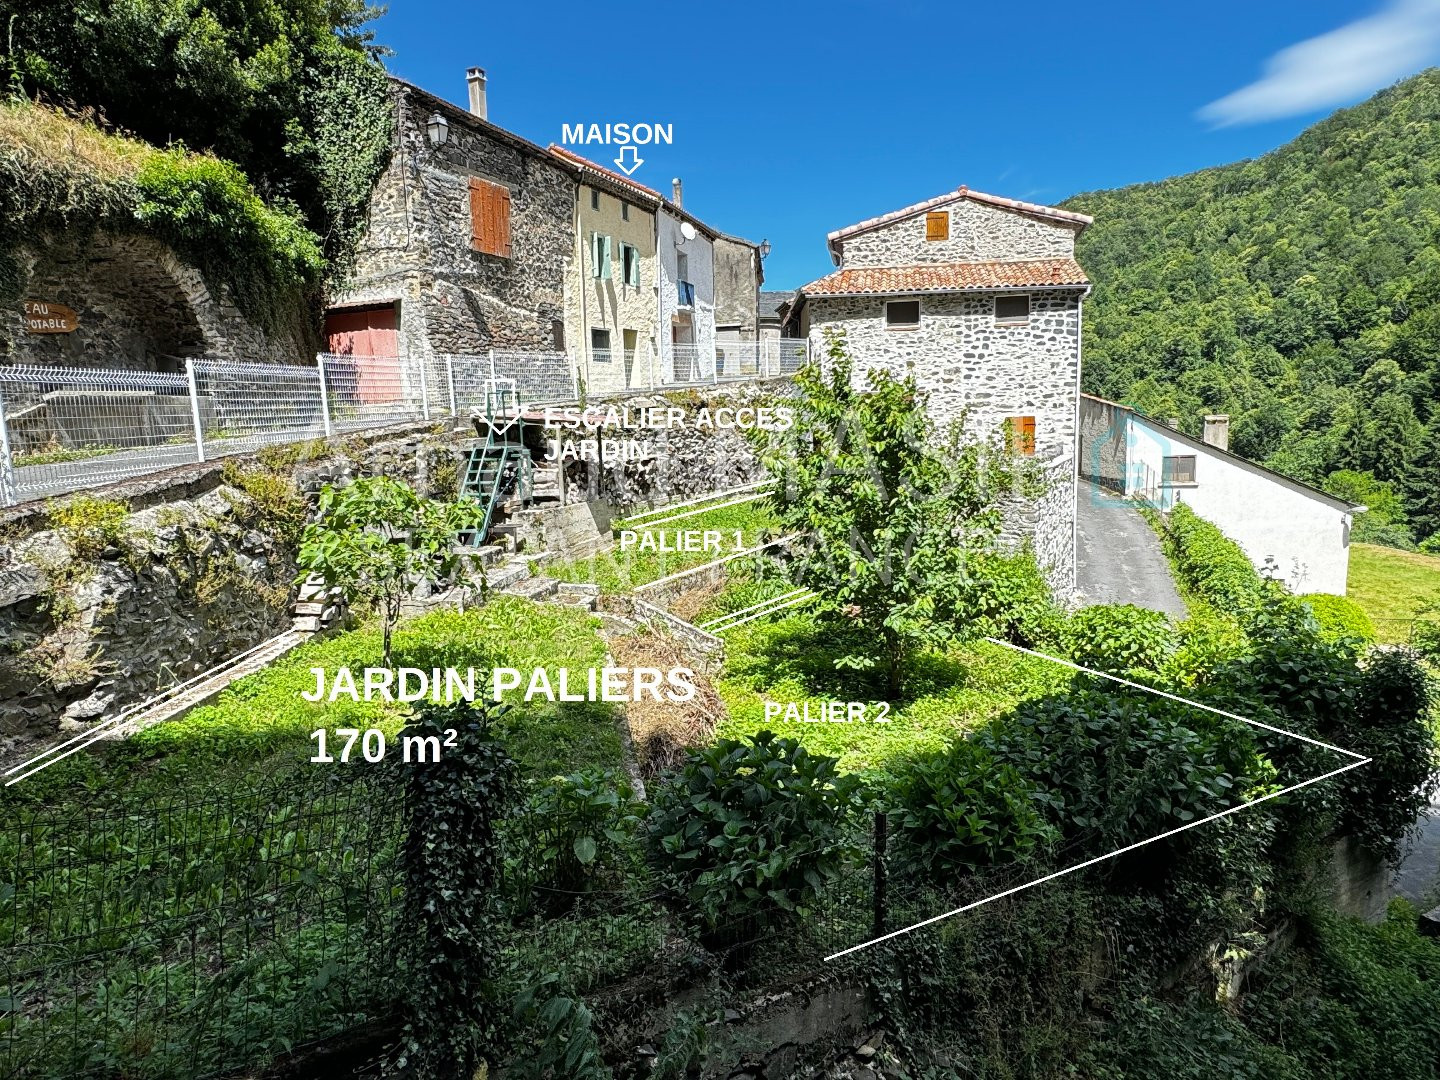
(63, 429)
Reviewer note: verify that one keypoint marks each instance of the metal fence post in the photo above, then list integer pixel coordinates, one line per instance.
(195, 409)
(424, 389)
(450, 380)
(8, 495)
(878, 921)
(324, 395)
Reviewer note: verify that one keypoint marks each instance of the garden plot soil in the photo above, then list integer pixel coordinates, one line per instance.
(663, 732)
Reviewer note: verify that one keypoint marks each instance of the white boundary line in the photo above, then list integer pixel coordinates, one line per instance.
(768, 611)
(695, 502)
(710, 565)
(1181, 700)
(102, 729)
(753, 607)
(1360, 760)
(1098, 859)
(634, 527)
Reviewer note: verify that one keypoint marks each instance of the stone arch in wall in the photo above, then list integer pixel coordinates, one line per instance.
(139, 307)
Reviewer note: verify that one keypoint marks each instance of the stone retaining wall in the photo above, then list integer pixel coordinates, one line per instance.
(199, 571)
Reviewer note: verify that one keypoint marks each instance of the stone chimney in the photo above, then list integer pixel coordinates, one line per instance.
(1217, 431)
(476, 78)
(676, 193)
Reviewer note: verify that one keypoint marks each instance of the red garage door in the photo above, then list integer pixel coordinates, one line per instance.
(370, 335)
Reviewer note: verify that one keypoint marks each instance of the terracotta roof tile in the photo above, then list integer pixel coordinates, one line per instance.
(609, 174)
(948, 277)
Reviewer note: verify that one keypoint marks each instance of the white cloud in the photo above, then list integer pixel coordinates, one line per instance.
(1341, 66)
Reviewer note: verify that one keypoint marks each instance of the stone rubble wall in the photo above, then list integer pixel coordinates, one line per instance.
(198, 576)
(978, 232)
(416, 250)
(137, 305)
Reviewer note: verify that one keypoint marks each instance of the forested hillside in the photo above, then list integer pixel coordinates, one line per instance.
(1300, 293)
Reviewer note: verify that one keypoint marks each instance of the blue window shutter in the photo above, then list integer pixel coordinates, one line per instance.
(605, 258)
(595, 254)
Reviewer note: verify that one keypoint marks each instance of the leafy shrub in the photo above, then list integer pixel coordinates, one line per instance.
(564, 1043)
(1340, 618)
(206, 209)
(1117, 768)
(1210, 564)
(580, 827)
(1205, 642)
(1009, 598)
(959, 809)
(1360, 1002)
(1390, 725)
(1120, 638)
(752, 829)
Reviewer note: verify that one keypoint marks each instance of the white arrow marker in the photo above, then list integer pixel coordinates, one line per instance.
(635, 160)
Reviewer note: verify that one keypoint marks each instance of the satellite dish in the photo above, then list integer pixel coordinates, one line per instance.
(687, 230)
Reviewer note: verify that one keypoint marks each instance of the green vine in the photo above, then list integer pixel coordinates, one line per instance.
(451, 866)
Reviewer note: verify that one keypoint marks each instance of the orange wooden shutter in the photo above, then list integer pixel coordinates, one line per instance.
(502, 221)
(937, 225)
(1022, 432)
(477, 215)
(490, 217)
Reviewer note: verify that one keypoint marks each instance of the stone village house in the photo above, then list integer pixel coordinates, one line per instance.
(979, 297)
(480, 240)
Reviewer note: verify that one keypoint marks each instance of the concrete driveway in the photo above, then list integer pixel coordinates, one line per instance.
(1118, 556)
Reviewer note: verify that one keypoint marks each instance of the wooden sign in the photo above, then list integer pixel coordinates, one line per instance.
(43, 317)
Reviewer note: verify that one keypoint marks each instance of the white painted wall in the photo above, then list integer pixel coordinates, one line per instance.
(700, 253)
(1306, 536)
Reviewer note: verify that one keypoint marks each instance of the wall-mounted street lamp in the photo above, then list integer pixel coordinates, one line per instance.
(438, 128)
(764, 249)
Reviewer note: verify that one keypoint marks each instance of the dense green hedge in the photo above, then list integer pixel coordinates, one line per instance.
(1340, 617)
(1211, 566)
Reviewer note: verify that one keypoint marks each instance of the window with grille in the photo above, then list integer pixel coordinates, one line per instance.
(1179, 469)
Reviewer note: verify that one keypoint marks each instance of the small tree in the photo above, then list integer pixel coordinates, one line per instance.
(377, 539)
(892, 513)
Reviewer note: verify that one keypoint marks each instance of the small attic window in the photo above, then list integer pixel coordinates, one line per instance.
(1012, 310)
(937, 225)
(902, 314)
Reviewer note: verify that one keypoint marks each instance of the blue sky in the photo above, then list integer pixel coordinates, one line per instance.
(794, 119)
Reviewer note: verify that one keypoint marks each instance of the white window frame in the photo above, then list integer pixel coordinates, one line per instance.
(919, 314)
(1011, 320)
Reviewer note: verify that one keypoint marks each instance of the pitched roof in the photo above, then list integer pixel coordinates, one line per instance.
(770, 303)
(609, 177)
(1067, 217)
(465, 116)
(1230, 455)
(948, 277)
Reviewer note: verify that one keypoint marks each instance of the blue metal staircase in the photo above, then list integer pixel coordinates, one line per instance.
(500, 468)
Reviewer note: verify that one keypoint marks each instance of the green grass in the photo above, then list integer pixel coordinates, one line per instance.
(261, 725)
(1392, 585)
(202, 896)
(791, 659)
(616, 571)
